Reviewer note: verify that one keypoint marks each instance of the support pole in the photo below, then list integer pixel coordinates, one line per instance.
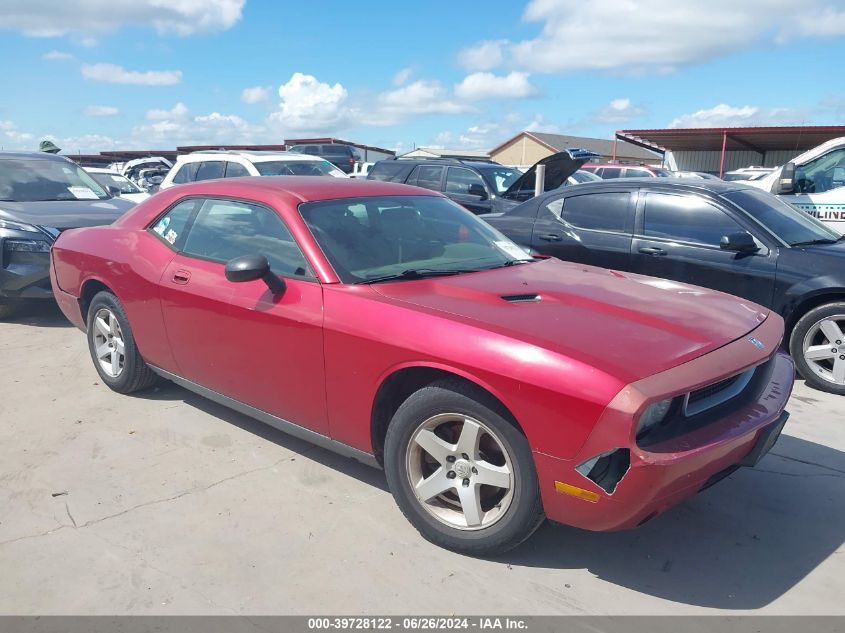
(722, 160)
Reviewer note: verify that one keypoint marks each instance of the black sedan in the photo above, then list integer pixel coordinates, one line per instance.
(720, 235)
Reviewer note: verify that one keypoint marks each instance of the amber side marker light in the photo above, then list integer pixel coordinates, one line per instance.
(575, 491)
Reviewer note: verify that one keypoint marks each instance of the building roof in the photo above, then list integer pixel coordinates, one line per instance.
(605, 147)
(757, 139)
(441, 152)
(327, 140)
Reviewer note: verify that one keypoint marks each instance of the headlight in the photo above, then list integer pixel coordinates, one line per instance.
(27, 246)
(654, 415)
(18, 226)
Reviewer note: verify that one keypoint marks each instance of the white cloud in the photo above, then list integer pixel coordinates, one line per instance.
(12, 138)
(402, 76)
(255, 95)
(419, 97)
(56, 56)
(489, 86)
(53, 18)
(308, 104)
(484, 56)
(179, 111)
(114, 74)
(178, 126)
(489, 134)
(724, 115)
(618, 111)
(650, 35)
(100, 110)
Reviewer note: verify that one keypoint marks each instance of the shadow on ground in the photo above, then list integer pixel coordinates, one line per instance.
(39, 314)
(739, 545)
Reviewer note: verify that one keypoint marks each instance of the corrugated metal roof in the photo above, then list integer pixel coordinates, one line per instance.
(756, 139)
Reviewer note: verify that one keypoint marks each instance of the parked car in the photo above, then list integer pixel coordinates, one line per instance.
(747, 173)
(726, 236)
(607, 171)
(148, 172)
(340, 155)
(388, 323)
(813, 182)
(117, 185)
(480, 186)
(208, 165)
(361, 170)
(41, 195)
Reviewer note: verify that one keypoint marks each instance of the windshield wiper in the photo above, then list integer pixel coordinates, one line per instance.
(416, 273)
(821, 240)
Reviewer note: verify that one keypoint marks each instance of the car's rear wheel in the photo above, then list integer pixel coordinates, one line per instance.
(461, 472)
(113, 348)
(817, 345)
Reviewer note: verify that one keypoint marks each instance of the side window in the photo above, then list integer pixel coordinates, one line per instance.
(209, 169)
(611, 172)
(597, 211)
(171, 225)
(426, 176)
(636, 172)
(686, 219)
(822, 174)
(313, 150)
(225, 229)
(186, 173)
(235, 170)
(459, 180)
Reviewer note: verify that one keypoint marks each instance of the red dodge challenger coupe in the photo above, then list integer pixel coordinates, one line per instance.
(386, 322)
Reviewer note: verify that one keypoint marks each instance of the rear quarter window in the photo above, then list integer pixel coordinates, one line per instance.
(390, 171)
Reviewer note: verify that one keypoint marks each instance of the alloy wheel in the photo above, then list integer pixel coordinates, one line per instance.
(460, 472)
(824, 349)
(108, 343)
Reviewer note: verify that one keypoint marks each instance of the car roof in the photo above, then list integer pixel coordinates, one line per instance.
(301, 188)
(702, 185)
(255, 157)
(32, 156)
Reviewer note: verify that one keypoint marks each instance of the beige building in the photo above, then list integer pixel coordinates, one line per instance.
(526, 148)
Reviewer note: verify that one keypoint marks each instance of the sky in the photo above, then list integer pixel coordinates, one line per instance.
(95, 75)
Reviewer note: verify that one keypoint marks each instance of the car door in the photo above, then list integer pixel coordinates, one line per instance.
(467, 188)
(239, 339)
(677, 236)
(428, 176)
(590, 228)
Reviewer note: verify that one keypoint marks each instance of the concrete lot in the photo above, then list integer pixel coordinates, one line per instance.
(167, 503)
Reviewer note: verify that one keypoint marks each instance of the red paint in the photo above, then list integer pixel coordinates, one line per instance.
(575, 369)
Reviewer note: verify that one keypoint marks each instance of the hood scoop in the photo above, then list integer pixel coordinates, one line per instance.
(527, 298)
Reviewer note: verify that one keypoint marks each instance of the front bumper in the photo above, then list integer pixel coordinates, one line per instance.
(665, 474)
(23, 275)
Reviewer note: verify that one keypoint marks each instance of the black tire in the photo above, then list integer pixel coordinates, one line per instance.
(135, 375)
(523, 515)
(7, 309)
(796, 346)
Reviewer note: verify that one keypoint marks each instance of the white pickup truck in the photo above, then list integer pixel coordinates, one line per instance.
(813, 182)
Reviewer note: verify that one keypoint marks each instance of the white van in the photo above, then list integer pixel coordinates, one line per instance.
(813, 182)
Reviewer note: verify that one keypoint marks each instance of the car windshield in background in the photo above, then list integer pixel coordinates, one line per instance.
(788, 223)
(662, 173)
(296, 168)
(405, 237)
(23, 180)
(116, 180)
(500, 178)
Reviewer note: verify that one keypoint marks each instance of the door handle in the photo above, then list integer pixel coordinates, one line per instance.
(550, 237)
(181, 277)
(653, 251)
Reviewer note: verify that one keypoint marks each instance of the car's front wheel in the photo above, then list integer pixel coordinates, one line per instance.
(461, 472)
(112, 346)
(817, 346)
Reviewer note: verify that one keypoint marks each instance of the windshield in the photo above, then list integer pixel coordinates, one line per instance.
(34, 180)
(297, 168)
(786, 222)
(116, 180)
(370, 238)
(500, 178)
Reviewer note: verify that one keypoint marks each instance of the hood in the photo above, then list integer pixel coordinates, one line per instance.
(559, 167)
(66, 214)
(629, 326)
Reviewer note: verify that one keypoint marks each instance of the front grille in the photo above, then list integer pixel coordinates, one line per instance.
(710, 390)
(711, 396)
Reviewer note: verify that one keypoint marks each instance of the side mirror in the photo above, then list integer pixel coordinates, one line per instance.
(785, 184)
(114, 192)
(252, 267)
(478, 190)
(739, 243)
